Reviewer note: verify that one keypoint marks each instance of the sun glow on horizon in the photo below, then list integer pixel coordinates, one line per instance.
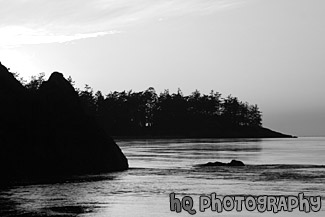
(21, 63)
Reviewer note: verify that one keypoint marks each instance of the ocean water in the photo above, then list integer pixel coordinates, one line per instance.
(161, 167)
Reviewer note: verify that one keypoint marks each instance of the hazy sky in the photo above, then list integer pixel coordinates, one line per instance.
(266, 52)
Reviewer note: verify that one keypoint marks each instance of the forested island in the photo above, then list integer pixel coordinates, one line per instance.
(147, 114)
(49, 127)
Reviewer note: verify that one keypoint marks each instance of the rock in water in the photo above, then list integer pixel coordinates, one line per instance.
(233, 163)
(47, 132)
(236, 163)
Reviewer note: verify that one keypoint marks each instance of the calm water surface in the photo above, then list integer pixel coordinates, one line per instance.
(160, 167)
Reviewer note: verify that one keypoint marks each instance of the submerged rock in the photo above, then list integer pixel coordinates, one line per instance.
(47, 132)
(233, 163)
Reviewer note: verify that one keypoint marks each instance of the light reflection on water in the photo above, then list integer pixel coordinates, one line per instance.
(160, 167)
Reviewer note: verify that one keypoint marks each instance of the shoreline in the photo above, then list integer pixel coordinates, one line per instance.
(116, 138)
(219, 133)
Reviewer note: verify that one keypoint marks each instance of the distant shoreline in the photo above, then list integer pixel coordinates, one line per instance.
(256, 133)
(116, 138)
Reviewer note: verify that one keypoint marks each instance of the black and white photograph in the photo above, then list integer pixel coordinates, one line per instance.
(159, 108)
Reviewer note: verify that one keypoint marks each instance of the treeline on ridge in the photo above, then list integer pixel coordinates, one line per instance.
(129, 113)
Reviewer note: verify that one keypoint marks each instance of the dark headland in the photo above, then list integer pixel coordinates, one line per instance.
(46, 132)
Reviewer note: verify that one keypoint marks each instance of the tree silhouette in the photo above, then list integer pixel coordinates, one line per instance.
(146, 112)
(35, 82)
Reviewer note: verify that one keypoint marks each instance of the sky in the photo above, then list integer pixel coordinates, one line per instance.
(266, 52)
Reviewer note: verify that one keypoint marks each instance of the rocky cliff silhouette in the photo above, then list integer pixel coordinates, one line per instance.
(47, 132)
